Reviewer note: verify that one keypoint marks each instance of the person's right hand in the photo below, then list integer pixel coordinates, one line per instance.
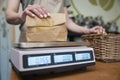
(35, 10)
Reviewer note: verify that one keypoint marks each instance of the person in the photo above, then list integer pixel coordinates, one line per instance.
(42, 9)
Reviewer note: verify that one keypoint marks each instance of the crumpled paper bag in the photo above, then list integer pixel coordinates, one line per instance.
(47, 29)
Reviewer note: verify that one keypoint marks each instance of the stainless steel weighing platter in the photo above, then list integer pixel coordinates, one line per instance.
(49, 44)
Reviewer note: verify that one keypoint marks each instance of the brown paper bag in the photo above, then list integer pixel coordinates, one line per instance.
(46, 30)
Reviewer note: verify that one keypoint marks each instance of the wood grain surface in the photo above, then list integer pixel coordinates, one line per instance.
(101, 71)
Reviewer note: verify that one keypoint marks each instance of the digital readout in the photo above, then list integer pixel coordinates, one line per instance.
(82, 56)
(39, 60)
(63, 58)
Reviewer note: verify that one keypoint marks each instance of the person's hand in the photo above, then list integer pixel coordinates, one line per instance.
(97, 30)
(34, 10)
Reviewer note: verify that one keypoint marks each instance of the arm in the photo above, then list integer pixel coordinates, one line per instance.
(13, 17)
(80, 29)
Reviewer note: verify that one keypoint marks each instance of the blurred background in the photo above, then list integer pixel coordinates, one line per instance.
(89, 13)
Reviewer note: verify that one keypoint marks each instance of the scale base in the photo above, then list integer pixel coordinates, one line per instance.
(65, 69)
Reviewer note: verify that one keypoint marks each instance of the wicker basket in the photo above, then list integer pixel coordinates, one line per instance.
(106, 47)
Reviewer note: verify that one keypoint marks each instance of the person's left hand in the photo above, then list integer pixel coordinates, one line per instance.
(97, 30)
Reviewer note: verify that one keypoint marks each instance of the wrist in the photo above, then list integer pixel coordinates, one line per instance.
(22, 18)
(87, 31)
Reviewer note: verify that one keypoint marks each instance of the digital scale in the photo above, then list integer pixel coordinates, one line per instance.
(42, 58)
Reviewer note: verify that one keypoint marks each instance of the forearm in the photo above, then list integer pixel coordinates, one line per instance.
(76, 28)
(13, 18)
(12, 15)
(73, 26)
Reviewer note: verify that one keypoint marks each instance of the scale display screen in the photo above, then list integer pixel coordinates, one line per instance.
(36, 60)
(39, 60)
(63, 58)
(82, 56)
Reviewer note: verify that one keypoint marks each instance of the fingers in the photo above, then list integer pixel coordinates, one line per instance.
(99, 30)
(36, 10)
(29, 13)
(104, 32)
(45, 11)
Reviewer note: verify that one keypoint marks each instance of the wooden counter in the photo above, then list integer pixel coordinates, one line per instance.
(101, 71)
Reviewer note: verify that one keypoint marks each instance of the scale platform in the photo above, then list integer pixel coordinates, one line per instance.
(42, 58)
(49, 44)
